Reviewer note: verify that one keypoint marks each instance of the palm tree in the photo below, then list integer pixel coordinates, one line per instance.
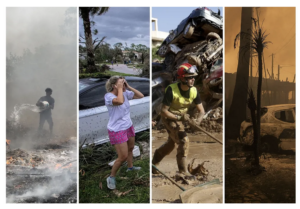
(257, 40)
(85, 13)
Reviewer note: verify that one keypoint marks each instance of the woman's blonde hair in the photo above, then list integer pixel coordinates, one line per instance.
(111, 82)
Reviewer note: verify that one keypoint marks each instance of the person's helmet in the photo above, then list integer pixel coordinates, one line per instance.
(186, 70)
(48, 90)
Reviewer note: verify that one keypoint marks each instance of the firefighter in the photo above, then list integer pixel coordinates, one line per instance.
(177, 100)
(46, 114)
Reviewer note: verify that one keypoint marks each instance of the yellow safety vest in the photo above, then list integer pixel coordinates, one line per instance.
(179, 103)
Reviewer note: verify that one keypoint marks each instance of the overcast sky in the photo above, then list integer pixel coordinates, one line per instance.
(168, 18)
(123, 24)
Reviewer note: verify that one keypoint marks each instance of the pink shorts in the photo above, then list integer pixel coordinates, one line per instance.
(120, 137)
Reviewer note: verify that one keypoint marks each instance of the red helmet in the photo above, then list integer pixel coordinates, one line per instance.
(186, 70)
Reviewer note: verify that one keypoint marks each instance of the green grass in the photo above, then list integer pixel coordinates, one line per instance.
(93, 160)
(136, 181)
(107, 73)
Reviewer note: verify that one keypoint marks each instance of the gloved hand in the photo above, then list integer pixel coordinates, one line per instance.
(185, 117)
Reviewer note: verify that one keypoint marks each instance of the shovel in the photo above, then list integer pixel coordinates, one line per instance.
(201, 129)
(186, 195)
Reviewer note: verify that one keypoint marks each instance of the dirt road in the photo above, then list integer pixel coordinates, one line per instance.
(121, 68)
(202, 148)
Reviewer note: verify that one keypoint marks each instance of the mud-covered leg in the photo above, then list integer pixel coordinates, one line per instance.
(182, 152)
(161, 152)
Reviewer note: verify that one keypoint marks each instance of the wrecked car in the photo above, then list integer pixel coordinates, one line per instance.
(195, 27)
(277, 128)
(93, 114)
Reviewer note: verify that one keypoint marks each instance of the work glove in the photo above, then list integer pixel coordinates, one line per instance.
(185, 117)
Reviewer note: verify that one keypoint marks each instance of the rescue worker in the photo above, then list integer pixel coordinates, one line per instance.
(178, 98)
(46, 114)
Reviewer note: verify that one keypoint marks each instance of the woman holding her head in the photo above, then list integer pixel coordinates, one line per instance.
(120, 129)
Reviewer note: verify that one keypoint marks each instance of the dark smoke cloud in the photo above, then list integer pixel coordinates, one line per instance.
(279, 23)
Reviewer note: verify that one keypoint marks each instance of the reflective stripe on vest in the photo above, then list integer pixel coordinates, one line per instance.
(179, 103)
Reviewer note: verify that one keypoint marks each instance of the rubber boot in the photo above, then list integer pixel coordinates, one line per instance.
(182, 167)
(157, 157)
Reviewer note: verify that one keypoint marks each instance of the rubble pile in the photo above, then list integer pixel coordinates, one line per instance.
(213, 122)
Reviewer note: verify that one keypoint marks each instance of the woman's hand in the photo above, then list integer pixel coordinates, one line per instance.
(127, 85)
(120, 84)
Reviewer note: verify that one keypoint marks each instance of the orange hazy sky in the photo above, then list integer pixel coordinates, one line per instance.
(279, 23)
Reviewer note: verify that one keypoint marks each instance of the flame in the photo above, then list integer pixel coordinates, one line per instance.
(57, 166)
(8, 141)
(68, 166)
(9, 161)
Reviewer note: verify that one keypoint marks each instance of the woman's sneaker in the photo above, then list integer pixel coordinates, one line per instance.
(133, 168)
(111, 182)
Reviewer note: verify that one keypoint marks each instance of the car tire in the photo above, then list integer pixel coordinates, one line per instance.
(188, 31)
(162, 51)
(269, 145)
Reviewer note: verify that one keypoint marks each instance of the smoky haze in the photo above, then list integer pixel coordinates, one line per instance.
(41, 52)
(279, 23)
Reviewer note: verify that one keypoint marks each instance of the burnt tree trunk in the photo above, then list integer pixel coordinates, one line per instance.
(258, 112)
(237, 111)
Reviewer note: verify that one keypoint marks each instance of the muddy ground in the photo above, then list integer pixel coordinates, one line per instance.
(202, 148)
(274, 185)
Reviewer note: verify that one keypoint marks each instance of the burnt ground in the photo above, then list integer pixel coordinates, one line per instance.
(202, 148)
(274, 185)
(44, 173)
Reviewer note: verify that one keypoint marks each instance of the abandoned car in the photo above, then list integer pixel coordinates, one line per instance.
(93, 114)
(193, 28)
(277, 128)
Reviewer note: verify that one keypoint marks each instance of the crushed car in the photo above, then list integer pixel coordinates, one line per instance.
(203, 48)
(93, 114)
(195, 27)
(277, 128)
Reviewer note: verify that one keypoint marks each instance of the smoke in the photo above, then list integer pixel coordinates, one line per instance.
(279, 23)
(42, 52)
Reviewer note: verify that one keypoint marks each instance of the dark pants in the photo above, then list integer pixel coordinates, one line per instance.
(43, 118)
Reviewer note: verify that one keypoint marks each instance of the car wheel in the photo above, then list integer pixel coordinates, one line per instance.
(188, 31)
(162, 51)
(248, 136)
(269, 145)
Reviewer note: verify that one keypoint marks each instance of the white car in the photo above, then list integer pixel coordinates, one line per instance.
(277, 128)
(93, 114)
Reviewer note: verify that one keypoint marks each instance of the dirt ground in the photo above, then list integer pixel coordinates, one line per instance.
(274, 185)
(202, 148)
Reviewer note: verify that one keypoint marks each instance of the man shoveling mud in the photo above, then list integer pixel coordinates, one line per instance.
(178, 98)
(46, 103)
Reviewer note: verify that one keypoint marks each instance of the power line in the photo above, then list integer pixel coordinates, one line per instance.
(286, 43)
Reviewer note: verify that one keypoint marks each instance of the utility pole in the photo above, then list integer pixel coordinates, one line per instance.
(294, 78)
(279, 71)
(272, 66)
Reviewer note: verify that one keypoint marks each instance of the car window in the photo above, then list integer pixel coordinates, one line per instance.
(285, 115)
(142, 86)
(92, 98)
